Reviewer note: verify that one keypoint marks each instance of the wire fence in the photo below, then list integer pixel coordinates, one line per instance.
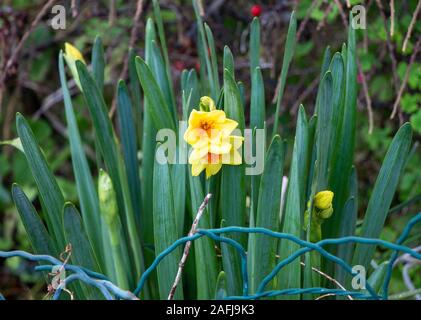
(111, 291)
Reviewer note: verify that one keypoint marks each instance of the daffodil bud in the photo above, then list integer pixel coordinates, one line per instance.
(108, 204)
(323, 200)
(71, 55)
(207, 104)
(325, 214)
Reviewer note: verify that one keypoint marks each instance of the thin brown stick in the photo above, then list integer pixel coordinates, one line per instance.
(305, 94)
(132, 42)
(5, 70)
(342, 12)
(307, 17)
(329, 278)
(325, 14)
(411, 26)
(188, 245)
(367, 99)
(406, 77)
(390, 47)
(392, 18)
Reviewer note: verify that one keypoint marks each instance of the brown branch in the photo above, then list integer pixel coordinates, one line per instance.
(392, 17)
(188, 245)
(5, 70)
(389, 47)
(325, 14)
(307, 17)
(406, 77)
(367, 99)
(411, 26)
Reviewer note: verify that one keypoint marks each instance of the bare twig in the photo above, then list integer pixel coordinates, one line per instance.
(188, 245)
(304, 22)
(342, 12)
(325, 14)
(392, 17)
(310, 88)
(411, 26)
(367, 99)
(330, 279)
(389, 47)
(132, 42)
(405, 79)
(5, 70)
(112, 16)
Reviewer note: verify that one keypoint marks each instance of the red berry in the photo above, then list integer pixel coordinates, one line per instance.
(256, 10)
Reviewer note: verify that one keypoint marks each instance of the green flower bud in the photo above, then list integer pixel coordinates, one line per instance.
(108, 204)
(207, 104)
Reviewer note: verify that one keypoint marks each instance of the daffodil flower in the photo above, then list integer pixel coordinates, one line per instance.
(71, 55)
(208, 128)
(212, 162)
(323, 199)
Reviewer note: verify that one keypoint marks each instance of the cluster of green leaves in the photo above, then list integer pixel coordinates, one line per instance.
(156, 203)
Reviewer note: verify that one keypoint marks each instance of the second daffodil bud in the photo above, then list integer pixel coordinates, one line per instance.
(206, 104)
(108, 203)
(323, 204)
(71, 55)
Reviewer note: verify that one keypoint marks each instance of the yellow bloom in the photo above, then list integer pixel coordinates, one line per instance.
(212, 162)
(323, 200)
(207, 128)
(73, 52)
(71, 55)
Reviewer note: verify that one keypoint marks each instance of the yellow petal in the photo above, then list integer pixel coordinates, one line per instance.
(197, 154)
(220, 147)
(212, 169)
(196, 118)
(226, 126)
(196, 169)
(73, 52)
(232, 158)
(323, 199)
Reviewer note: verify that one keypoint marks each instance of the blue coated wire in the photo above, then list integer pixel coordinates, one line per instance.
(108, 289)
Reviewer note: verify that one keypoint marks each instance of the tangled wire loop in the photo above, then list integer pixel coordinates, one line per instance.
(110, 291)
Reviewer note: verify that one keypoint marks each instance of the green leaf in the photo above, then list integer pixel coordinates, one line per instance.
(129, 144)
(204, 51)
(49, 191)
(108, 146)
(382, 196)
(288, 53)
(82, 254)
(163, 42)
(157, 65)
(228, 61)
(98, 62)
(290, 276)
(38, 236)
(254, 45)
(213, 57)
(156, 106)
(221, 286)
(324, 132)
(257, 121)
(232, 192)
(136, 95)
(262, 249)
(206, 263)
(343, 153)
(84, 182)
(164, 221)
